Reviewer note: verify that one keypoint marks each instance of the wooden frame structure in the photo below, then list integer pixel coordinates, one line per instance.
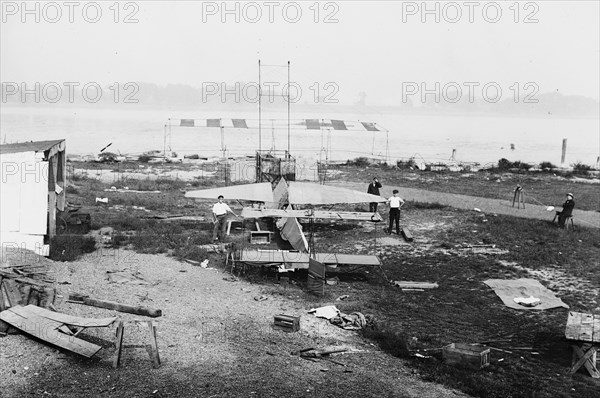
(583, 330)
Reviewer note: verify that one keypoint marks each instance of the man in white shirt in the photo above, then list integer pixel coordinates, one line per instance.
(395, 203)
(220, 210)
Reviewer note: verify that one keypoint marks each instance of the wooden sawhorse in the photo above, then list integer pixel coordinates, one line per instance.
(153, 345)
(584, 332)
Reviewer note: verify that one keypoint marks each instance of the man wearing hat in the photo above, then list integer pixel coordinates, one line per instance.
(567, 210)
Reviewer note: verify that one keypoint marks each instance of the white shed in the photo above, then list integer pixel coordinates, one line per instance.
(33, 188)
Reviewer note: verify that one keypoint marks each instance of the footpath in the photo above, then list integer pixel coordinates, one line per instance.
(582, 218)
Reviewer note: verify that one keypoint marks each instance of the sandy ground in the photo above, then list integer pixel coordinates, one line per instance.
(215, 340)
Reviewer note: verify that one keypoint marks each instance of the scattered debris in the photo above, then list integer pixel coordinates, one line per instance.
(332, 281)
(527, 301)
(123, 276)
(326, 312)
(415, 285)
(261, 298)
(343, 297)
(354, 321)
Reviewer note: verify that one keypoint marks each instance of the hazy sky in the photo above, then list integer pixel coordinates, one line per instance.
(375, 46)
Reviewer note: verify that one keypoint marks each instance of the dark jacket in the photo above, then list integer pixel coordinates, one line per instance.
(374, 188)
(568, 207)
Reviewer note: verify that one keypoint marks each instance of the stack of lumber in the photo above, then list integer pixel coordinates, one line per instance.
(24, 280)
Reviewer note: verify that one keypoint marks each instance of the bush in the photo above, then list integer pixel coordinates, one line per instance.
(505, 165)
(547, 165)
(360, 161)
(404, 164)
(72, 190)
(144, 158)
(581, 168)
(108, 157)
(70, 247)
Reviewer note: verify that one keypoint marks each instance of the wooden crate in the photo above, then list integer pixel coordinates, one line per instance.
(260, 237)
(470, 356)
(287, 323)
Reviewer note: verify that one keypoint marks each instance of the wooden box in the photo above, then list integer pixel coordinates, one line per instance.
(260, 237)
(287, 323)
(470, 356)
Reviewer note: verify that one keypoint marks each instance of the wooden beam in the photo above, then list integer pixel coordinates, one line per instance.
(71, 320)
(153, 345)
(586, 358)
(112, 305)
(407, 235)
(118, 344)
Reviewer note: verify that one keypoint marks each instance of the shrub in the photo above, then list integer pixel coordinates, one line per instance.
(410, 163)
(108, 157)
(505, 165)
(360, 161)
(144, 158)
(70, 247)
(72, 190)
(581, 168)
(547, 165)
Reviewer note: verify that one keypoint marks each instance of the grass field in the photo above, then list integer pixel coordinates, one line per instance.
(540, 188)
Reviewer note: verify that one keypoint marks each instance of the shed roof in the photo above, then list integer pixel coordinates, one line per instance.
(31, 146)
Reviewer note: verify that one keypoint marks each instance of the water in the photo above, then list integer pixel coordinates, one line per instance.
(483, 139)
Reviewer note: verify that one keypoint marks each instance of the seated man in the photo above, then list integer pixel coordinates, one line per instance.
(566, 212)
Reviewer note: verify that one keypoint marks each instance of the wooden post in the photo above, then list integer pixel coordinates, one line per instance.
(564, 152)
(118, 344)
(153, 345)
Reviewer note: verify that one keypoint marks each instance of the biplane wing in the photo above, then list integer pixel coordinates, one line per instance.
(303, 193)
(259, 192)
(248, 212)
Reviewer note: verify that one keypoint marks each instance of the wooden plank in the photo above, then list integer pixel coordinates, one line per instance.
(416, 285)
(153, 345)
(119, 345)
(596, 329)
(3, 305)
(407, 235)
(112, 305)
(47, 330)
(71, 320)
(587, 359)
(573, 325)
(586, 328)
(12, 292)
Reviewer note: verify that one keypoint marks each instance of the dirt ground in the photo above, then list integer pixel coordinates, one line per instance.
(215, 340)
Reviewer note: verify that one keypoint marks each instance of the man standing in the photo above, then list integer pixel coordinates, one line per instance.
(374, 190)
(567, 210)
(395, 203)
(220, 210)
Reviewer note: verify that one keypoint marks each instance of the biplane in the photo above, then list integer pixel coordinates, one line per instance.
(282, 203)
